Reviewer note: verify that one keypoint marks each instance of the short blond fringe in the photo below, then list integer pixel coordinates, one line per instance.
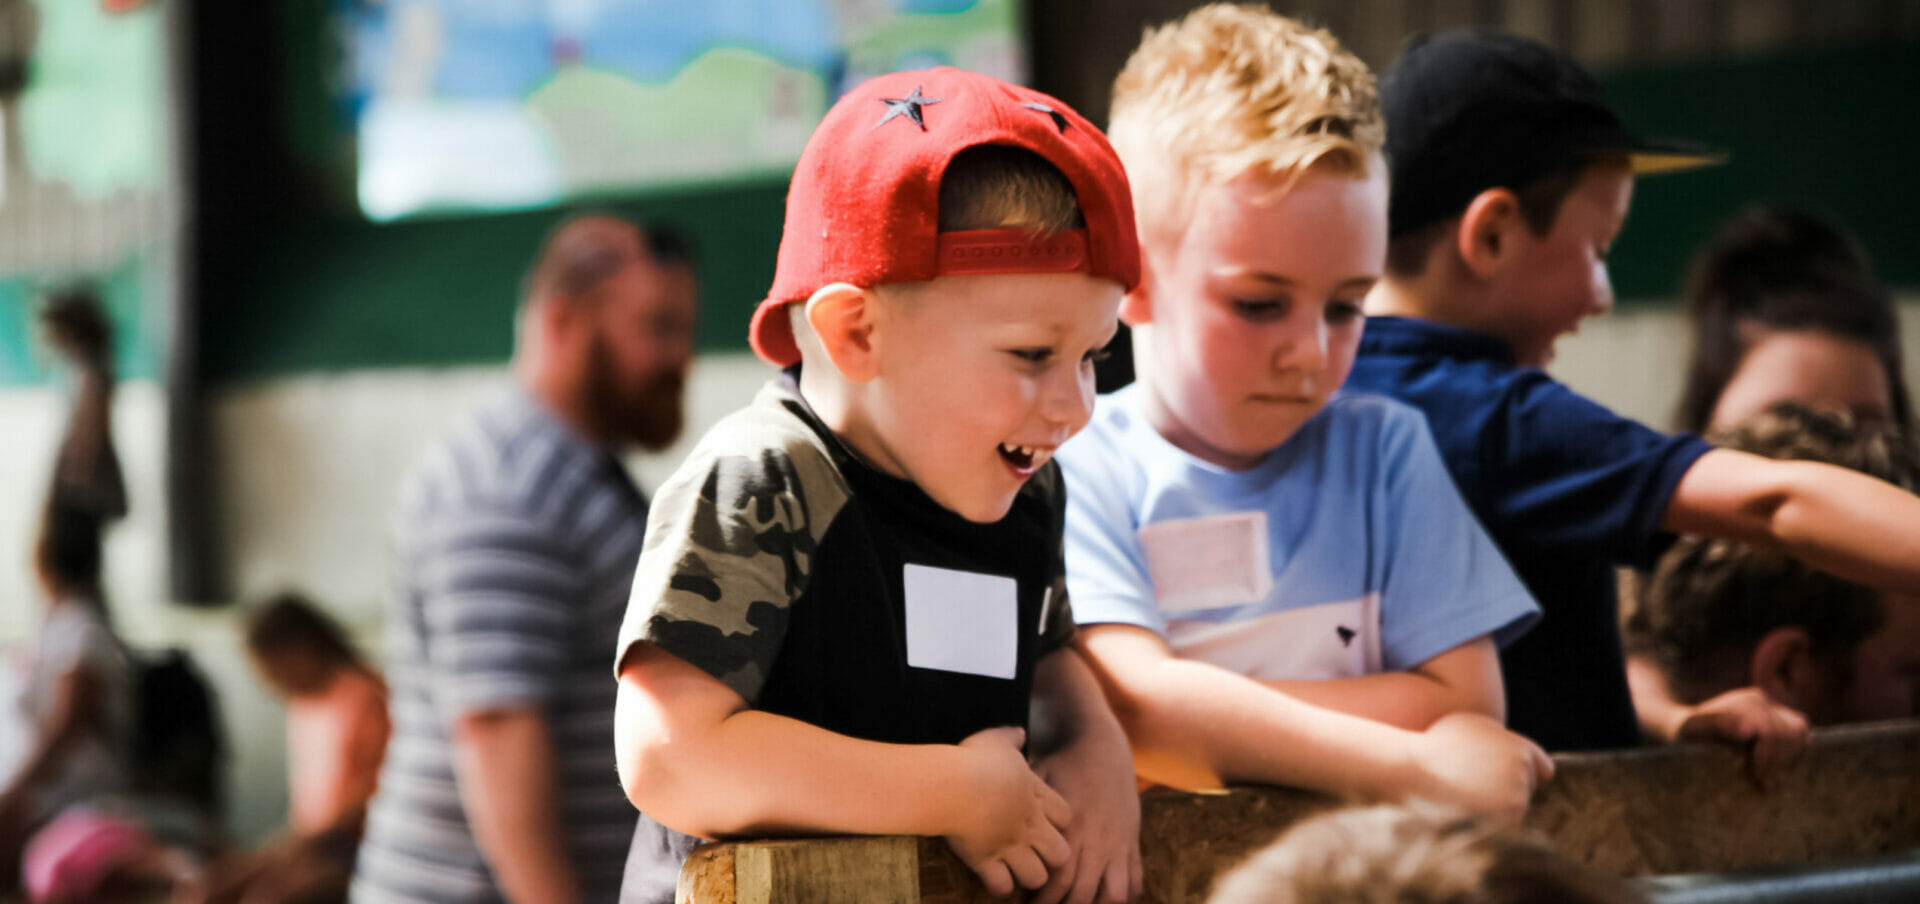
(1414, 853)
(1231, 90)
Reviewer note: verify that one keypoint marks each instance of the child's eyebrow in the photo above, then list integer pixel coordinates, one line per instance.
(1054, 333)
(1236, 272)
(1287, 282)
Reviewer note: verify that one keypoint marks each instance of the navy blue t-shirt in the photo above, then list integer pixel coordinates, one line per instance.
(1566, 488)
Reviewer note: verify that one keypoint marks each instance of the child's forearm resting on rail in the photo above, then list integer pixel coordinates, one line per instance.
(1463, 679)
(692, 755)
(1189, 720)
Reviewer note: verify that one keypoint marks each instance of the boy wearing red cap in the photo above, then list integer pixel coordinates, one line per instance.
(852, 590)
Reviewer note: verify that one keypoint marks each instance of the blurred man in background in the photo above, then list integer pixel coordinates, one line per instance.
(516, 542)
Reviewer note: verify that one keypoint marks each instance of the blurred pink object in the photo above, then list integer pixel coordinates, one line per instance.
(68, 858)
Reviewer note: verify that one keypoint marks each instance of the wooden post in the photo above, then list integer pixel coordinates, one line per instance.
(1679, 809)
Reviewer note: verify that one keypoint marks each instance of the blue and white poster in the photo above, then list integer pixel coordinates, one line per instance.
(491, 104)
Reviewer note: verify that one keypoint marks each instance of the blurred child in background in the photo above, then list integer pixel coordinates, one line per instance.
(76, 696)
(1785, 305)
(1719, 616)
(337, 729)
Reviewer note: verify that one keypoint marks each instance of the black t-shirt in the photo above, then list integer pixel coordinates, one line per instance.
(819, 588)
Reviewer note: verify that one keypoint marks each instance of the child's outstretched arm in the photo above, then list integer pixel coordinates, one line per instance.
(1840, 521)
(1837, 520)
(1743, 717)
(1192, 723)
(1091, 767)
(692, 755)
(1463, 679)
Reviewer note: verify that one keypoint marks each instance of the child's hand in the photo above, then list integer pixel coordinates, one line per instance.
(1012, 834)
(1746, 717)
(1472, 761)
(1098, 782)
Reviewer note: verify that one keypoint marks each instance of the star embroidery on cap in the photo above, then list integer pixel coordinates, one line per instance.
(1059, 119)
(909, 105)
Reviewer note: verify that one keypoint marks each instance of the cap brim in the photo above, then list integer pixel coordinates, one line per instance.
(1647, 163)
(770, 334)
(1648, 156)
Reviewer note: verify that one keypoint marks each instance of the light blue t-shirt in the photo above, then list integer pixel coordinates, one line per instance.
(1345, 552)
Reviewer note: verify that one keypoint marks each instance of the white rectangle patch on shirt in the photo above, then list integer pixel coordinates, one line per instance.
(1339, 639)
(1201, 563)
(962, 621)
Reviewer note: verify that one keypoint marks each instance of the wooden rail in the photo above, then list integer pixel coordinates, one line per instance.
(1681, 809)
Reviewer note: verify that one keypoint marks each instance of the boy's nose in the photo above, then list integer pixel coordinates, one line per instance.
(1602, 290)
(1303, 346)
(1069, 400)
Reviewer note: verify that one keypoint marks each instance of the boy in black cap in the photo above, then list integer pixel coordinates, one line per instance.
(1511, 178)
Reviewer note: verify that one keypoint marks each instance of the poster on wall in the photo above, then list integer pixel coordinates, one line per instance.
(467, 105)
(83, 156)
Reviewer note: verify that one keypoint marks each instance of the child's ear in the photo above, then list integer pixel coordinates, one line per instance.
(1485, 230)
(1136, 307)
(842, 317)
(1783, 667)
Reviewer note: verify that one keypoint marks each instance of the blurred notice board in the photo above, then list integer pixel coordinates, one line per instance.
(475, 105)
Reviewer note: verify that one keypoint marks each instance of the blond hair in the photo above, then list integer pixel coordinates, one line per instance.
(1232, 90)
(1418, 853)
(1002, 187)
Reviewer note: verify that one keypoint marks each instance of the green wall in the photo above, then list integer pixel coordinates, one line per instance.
(340, 293)
(1835, 130)
(88, 134)
(318, 288)
(137, 325)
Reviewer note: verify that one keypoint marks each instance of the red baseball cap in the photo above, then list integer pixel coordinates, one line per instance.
(863, 206)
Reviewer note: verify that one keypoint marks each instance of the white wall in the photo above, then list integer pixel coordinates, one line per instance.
(308, 468)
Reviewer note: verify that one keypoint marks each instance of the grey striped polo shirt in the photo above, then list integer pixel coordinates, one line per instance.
(515, 543)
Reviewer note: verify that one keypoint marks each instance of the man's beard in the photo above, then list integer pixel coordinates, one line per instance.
(648, 415)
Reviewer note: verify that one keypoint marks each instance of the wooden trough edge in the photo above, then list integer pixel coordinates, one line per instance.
(1679, 809)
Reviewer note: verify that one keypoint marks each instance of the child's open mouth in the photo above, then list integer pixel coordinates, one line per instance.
(1024, 459)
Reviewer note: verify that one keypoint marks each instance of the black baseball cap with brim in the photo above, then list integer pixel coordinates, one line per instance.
(1471, 110)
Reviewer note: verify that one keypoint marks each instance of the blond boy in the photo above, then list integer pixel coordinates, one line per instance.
(851, 591)
(1511, 179)
(1277, 584)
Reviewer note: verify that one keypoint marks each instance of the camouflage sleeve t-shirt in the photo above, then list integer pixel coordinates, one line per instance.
(819, 588)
